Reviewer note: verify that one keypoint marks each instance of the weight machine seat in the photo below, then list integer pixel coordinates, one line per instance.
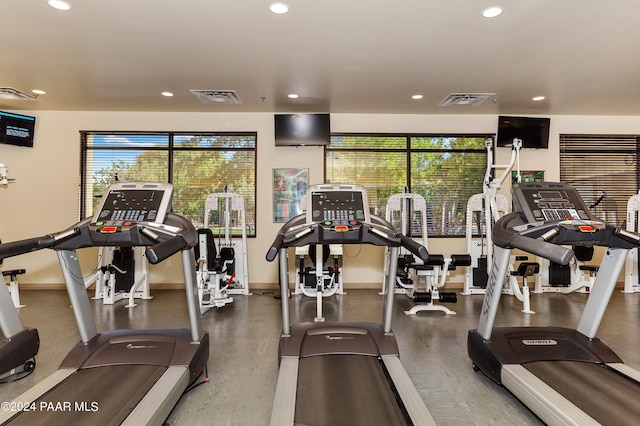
(439, 260)
(211, 256)
(592, 269)
(433, 260)
(583, 253)
(526, 269)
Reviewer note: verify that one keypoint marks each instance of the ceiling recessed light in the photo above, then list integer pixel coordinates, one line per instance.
(278, 8)
(59, 4)
(38, 92)
(492, 12)
(167, 94)
(416, 97)
(538, 98)
(293, 96)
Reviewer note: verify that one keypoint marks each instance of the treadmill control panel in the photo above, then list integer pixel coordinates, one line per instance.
(127, 204)
(338, 206)
(339, 209)
(549, 202)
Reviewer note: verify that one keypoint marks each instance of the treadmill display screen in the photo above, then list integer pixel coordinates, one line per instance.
(549, 202)
(337, 207)
(137, 205)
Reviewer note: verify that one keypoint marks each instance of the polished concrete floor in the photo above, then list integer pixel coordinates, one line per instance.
(243, 365)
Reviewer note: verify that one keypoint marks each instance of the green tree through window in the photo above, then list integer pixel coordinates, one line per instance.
(197, 164)
(445, 169)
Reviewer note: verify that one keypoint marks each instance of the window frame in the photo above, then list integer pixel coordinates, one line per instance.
(171, 149)
(408, 150)
(624, 148)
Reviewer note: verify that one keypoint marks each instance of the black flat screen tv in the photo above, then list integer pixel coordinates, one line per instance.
(16, 129)
(302, 129)
(533, 131)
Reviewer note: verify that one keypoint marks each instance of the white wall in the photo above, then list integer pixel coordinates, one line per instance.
(44, 198)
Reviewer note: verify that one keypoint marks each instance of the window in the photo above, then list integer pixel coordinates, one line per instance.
(445, 169)
(197, 164)
(604, 170)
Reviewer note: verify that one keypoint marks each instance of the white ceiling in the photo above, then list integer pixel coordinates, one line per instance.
(360, 56)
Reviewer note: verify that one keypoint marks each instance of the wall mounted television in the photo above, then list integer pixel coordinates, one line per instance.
(16, 129)
(533, 131)
(302, 129)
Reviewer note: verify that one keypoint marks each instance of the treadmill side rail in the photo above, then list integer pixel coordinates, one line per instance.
(284, 404)
(157, 404)
(625, 370)
(34, 393)
(409, 395)
(549, 405)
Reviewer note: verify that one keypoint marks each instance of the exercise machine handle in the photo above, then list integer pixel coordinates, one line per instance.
(161, 251)
(414, 247)
(539, 247)
(28, 245)
(632, 237)
(275, 248)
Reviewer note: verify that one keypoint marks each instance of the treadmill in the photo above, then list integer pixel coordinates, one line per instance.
(342, 373)
(565, 376)
(131, 377)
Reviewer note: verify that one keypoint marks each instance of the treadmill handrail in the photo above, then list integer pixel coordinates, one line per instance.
(165, 249)
(295, 234)
(531, 240)
(16, 248)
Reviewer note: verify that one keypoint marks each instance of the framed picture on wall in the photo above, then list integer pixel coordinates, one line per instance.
(289, 188)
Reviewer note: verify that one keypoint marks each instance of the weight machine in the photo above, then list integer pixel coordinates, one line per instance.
(631, 273)
(221, 265)
(324, 277)
(122, 274)
(14, 289)
(4, 180)
(213, 273)
(577, 276)
(408, 212)
(487, 208)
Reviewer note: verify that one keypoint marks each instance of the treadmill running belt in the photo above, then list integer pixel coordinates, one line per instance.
(603, 394)
(115, 390)
(345, 390)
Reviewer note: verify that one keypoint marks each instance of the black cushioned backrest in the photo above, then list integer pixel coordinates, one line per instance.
(583, 253)
(326, 252)
(210, 245)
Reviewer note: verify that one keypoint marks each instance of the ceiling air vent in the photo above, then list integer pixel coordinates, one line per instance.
(11, 94)
(217, 96)
(465, 99)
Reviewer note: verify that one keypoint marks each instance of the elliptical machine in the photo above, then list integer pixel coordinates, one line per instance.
(487, 208)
